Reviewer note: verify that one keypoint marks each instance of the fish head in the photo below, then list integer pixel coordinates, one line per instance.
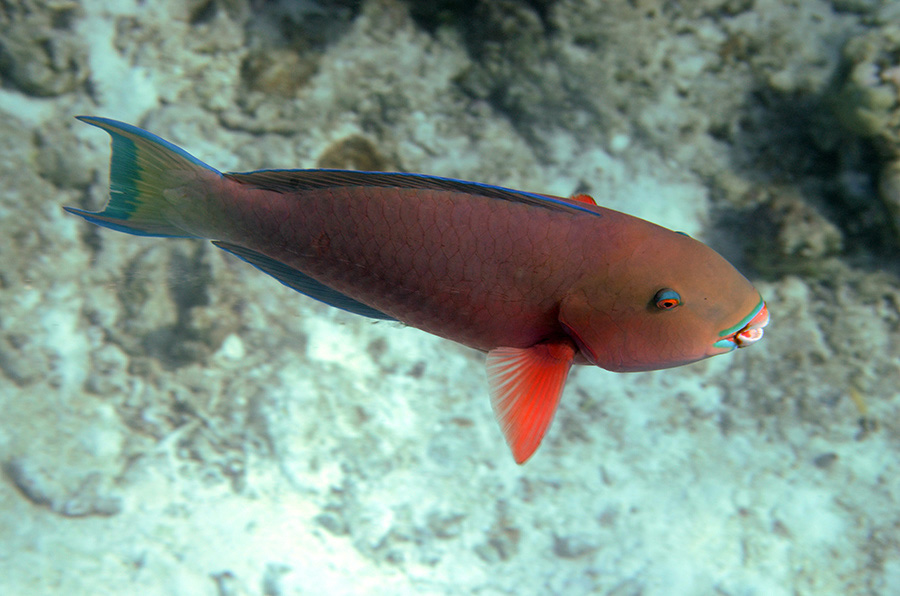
(670, 301)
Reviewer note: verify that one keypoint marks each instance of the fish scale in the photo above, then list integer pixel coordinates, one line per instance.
(400, 265)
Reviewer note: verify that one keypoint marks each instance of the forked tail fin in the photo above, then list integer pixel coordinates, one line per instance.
(142, 167)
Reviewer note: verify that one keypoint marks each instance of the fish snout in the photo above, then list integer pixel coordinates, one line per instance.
(749, 334)
(753, 331)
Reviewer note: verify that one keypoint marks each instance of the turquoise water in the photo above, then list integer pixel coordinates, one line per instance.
(174, 422)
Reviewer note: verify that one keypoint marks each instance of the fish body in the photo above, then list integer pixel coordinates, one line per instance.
(537, 282)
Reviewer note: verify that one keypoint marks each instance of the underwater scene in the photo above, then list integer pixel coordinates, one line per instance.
(482, 371)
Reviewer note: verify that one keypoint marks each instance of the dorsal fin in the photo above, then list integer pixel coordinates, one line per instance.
(286, 181)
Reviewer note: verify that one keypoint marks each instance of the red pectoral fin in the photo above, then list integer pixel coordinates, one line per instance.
(583, 198)
(525, 388)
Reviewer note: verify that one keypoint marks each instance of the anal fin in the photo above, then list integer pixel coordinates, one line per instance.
(300, 282)
(525, 385)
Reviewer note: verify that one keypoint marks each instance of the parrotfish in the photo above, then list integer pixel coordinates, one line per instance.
(537, 282)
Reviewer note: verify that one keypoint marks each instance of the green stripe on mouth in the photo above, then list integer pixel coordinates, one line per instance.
(744, 321)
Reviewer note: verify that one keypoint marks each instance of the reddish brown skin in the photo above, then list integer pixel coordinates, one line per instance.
(487, 273)
(479, 271)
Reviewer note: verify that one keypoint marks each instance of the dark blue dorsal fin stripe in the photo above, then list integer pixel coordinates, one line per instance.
(299, 180)
(301, 282)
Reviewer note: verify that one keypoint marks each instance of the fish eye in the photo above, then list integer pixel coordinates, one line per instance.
(667, 299)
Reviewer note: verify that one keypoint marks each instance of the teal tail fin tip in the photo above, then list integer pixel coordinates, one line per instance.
(141, 168)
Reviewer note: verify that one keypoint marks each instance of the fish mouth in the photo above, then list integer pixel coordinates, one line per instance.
(747, 332)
